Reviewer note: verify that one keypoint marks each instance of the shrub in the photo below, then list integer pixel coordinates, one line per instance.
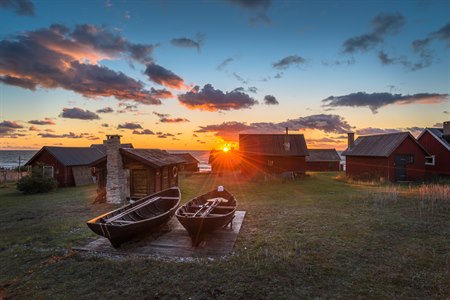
(35, 184)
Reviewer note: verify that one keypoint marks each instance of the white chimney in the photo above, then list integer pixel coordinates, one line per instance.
(115, 178)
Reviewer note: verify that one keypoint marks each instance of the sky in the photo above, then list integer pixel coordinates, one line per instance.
(193, 75)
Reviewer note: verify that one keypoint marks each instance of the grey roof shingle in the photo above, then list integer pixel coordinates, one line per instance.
(187, 157)
(439, 134)
(72, 156)
(273, 144)
(322, 155)
(102, 147)
(381, 145)
(152, 157)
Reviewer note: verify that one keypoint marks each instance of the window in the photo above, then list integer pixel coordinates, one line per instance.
(47, 171)
(430, 160)
(270, 163)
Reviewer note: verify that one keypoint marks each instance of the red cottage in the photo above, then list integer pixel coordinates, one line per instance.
(272, 153)
(393, 157)
(69, 165)
(323, 160)
(437, 142)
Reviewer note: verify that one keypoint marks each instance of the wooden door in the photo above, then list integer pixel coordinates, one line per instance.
(400, 162)
(139, 183)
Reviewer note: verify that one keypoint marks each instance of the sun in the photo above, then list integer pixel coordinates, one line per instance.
(225, 149)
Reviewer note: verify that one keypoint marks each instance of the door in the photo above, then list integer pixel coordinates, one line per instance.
(139, 183)
(400, 162)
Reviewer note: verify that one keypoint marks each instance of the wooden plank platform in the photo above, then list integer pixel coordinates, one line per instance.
(172, 240)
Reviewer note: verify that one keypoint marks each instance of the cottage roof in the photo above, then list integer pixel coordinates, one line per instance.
(102, 147)
(322, 155)
(273, 144)
(438, 134)
(381, 145)
(187, 157)
(152, 157)
(71, 156)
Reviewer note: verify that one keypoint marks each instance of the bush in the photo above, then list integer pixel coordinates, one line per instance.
(35, 184)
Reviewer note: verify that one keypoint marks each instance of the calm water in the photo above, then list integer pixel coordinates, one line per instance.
(11, 159)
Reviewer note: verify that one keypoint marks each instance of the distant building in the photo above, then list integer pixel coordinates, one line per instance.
(70, 166)
(393, 157)
(134, 173)
(323, 160)
(190, 164)
(437, 142)
(272, 153)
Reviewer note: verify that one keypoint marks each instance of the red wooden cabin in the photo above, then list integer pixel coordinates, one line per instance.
(323, 160)
(437, 142)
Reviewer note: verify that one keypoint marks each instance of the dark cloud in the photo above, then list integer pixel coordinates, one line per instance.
(446, 112)
(105, 125)
(188, 43)
(253, 89)
(252, 4)
(223, 64)
(270, 100)
(8, 128)
(376, 100)
(161, 93)
(78, 113)
(143, 132)
(327, 123)
(210, 99)
(173, 120)
(10, 124)
(372, 131)
(69, 135)
(126, 107)
(443, 33)
(162, 76)
(46, 121)
(20, 7)
(33, 128)
(288, 61)
(57, 57)
(438, 125)
(129, 126)
(105, 110)
(161, 115)
(239, 78)
(382, 24)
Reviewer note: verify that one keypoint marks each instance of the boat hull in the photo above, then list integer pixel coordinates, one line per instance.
(146, 219)
(199, 226)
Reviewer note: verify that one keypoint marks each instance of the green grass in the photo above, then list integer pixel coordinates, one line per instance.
(315, 237)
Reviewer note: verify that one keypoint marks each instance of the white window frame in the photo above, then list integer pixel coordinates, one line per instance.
(433, 160)
(44, 173)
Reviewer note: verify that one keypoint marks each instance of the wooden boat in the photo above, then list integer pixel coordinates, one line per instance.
(206, 213)
(142, 216)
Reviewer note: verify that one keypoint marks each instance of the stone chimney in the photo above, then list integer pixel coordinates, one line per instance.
(287, 144)
(115, 178)
(350, 140)
(446, 134)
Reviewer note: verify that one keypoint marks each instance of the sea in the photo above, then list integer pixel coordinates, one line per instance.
(11, 159)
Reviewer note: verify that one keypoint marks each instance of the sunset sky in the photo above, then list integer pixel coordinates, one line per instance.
(195, 74)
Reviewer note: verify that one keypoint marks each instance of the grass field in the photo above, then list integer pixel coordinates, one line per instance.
(315, 237)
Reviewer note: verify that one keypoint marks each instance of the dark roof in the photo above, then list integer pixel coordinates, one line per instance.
(71, 156)
(102, 147)
(381, 145)
(152, 157)
(438, 134)
(187, 157)
(323, 155)
(273, 144)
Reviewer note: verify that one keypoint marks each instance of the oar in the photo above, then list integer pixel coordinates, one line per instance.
(211, 207)
(112, 219)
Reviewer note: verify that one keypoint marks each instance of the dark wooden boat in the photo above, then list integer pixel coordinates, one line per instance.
(206, 213)
(142, 216)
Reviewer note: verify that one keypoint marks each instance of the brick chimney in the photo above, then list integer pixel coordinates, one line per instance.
(350, 140)
(446, 134)
(115, 178)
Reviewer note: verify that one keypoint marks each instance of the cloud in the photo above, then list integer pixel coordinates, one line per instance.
(33, 128)
(223, 64)
(164, 118)
(127, 108)
(162, 76)
(160, 115)
(372, 131)
(188, 43)
(288, 61)
(105, 110)
(382, 25)
(78, 113)
(376, 100)
(10, 124)
(253, 89)
(446, 112)
(46, 121)
(129, 126)
(326, 123)
(105, 125)
(69, 135)
(239, 78)
(210, 99)
(143, 132)
(20, 7)
(438, 125)
(57, 57)
(270, 100)
(443, 33)
(252, 4)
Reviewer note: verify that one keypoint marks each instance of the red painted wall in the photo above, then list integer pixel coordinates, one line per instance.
(367, 168)
(442, 155)
(322, 166)
(254, 164)
(62, 173)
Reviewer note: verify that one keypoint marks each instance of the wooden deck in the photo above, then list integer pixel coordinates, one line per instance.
(173, 241)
